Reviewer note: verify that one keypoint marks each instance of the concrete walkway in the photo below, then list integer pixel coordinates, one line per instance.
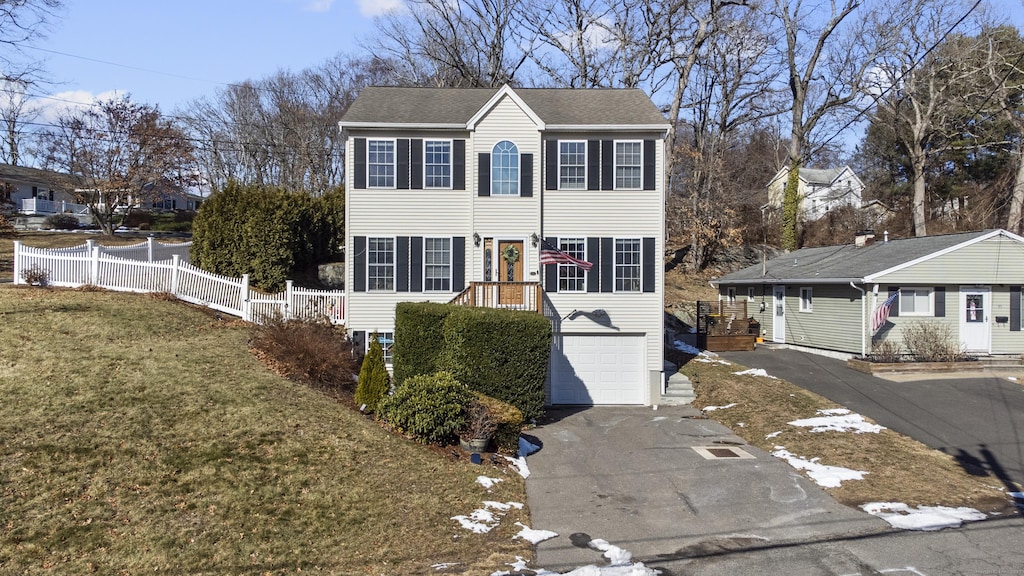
(631, 476)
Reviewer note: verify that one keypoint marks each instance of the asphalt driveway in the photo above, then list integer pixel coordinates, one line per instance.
(979, 420)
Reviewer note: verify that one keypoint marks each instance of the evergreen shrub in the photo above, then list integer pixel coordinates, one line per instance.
(373, 384)
(431, 407)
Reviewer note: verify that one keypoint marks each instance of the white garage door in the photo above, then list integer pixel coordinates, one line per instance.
(597, 369)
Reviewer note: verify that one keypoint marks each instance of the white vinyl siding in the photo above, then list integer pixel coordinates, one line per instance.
(437, 163)
(628, 165)
(380, 163)
(572, 165)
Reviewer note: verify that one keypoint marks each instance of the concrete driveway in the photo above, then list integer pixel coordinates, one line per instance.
(979, 420)
(631, 476)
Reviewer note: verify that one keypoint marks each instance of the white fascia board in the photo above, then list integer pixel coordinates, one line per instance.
(771, 280)
(608, 127)
(877, 275)
(504, 91)
(398, 126)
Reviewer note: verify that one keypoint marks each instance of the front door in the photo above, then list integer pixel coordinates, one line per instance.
(975, 316)
(510, 269)
(779, 314)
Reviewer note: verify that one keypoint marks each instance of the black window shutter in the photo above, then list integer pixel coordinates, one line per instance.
(526, 175)
(650, 174)
(484, 179)
(459, 165)
(1015, 309)
(940, 301)
(359, 263)
(594, 257)
(607, 164)
(593, 164)
(416, 164)
(648, 274)
(551, 270)
(551, 165)
(895, 310)
(360, 160)
(416, 264)
(458, 263)
(402, 264)
(607, 265)
(402, 164)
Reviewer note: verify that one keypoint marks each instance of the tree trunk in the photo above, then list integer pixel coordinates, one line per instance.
(1014, 221)
(919, 207)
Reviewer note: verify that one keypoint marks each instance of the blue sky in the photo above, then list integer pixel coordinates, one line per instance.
(169, 52)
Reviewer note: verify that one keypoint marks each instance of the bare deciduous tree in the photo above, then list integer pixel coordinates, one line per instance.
(16, 112)
(21, 22)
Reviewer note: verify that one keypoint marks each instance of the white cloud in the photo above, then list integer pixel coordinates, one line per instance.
(318, 6)
(52, 106)
(371, 8)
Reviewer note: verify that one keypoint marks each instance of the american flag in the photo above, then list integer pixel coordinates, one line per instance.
(551, 255)
(879, 316)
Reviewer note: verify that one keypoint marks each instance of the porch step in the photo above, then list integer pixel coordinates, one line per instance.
(678, 388)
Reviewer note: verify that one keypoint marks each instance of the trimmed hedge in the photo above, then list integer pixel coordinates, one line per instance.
(419, 332)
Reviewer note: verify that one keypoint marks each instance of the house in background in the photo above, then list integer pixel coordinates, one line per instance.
(821, 190)
(823, 298)
(451, 195)
(33, 191)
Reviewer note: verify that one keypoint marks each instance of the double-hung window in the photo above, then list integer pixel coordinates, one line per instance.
(915, 302)
(437, 264)
(380, 260)
(437, 164)
(380, 163)
(806, 299)
(571, 278)
(505, 169)
(572, 165)
(628, 165)
(387, 341)
(627, 264)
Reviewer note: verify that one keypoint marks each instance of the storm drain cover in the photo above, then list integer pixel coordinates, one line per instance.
(723, 453)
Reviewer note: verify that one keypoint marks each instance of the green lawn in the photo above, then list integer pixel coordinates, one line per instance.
(140, 435)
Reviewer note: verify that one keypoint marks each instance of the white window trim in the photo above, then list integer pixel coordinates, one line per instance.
(558, 243)
(806, 299)
(930, 299)
(394, 265)
(451, 163)
(615, 165)
(366, 346)
(585, 167)
(519, 171)
(451, 258)
(640, 265)
(394, 164)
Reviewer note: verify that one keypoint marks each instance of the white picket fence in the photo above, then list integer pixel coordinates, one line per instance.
(154, 267)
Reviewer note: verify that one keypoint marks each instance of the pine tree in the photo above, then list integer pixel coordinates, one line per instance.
(373, 382)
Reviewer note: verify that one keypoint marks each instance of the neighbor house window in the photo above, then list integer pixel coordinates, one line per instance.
(437, 264)
(572, 165)
(806, 300)
(915, 302)
(380, 163)
(571, 277)
(731, 295)
(627, 265)
(628, 166)
(505, 169)
(750, 294)
(437, 164)
(380, 260)
(387, 341)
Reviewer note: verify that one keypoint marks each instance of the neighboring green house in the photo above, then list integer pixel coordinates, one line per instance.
(826, 297)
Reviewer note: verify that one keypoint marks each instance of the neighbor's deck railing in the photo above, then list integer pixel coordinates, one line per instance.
(154, 267)
(41, 206)
(511, 295)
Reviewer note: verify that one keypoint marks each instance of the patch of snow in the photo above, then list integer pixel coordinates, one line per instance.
(659, 418)
(713, 408)
(929, 518)
(1017, 495)
(838, 420)
(615, 555)
(520, 465)
(741, 424)
(526, 447)
(482, 520)
(823, 475)
(755, 372)
(534, 536)
(1014, 378)
(772, 435)
(444, 565)
(684, 347)
(486, 482)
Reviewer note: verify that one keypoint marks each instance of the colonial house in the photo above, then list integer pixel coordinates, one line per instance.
(452, 194)
(820, 190)
(831, 298)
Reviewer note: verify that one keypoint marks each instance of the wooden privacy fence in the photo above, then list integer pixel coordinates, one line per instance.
(154, 267)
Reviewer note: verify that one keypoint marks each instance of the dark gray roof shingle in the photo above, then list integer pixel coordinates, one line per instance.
(555, 106)
(847, 262)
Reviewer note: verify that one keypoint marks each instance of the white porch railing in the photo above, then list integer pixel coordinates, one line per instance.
(154, 267)
(41, 206)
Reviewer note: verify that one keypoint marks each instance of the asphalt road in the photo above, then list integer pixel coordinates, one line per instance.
(976, 419)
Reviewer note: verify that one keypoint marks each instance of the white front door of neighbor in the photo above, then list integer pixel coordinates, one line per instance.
(779, 313)
(975, 318)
